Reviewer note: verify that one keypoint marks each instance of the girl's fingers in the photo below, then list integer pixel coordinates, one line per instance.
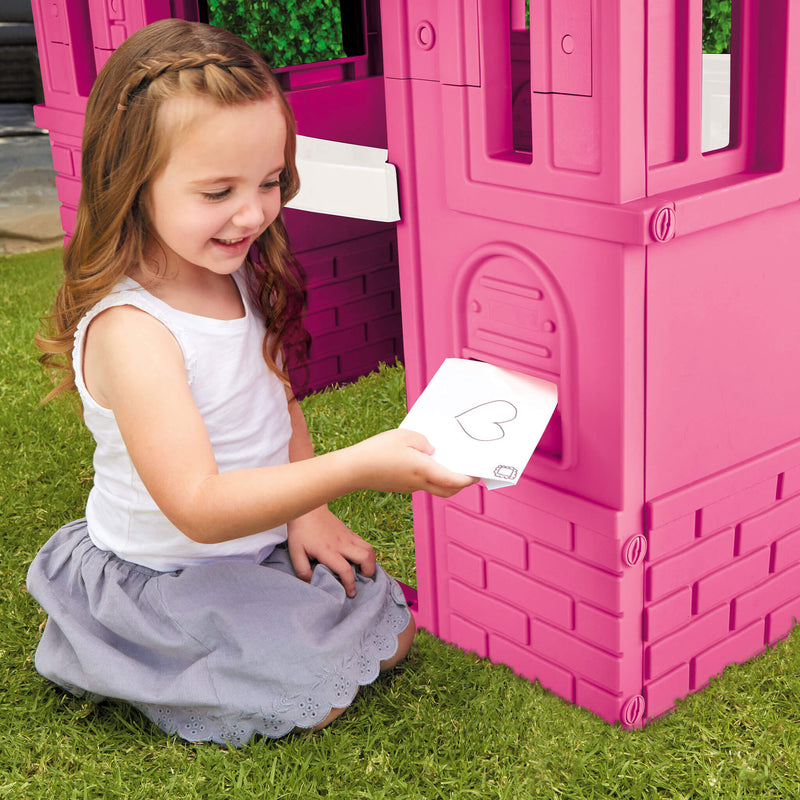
(443, 482)
(449, 490)
(358, 553)
(344, 569)
(364, 556)
(300, 561)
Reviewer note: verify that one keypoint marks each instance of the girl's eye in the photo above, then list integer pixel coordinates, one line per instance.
(220, 195)
(271, 185)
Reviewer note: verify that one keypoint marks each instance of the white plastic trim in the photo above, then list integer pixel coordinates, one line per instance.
(347, 180)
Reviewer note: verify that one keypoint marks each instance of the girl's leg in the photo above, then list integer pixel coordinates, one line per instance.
(404, 642)
(335, 712)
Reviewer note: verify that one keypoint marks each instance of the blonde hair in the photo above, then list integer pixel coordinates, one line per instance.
(124, 148)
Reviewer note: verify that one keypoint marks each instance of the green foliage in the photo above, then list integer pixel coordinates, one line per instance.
(285, 32)
(716, 26)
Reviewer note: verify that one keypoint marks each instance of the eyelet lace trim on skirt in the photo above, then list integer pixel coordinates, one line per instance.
(336, 688)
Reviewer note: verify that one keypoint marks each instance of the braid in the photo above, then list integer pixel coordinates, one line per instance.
(149, 70)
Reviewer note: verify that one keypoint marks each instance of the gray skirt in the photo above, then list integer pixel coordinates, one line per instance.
(216, 652)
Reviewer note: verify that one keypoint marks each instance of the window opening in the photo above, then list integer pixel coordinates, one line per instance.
(718, 123)
(520, 55)
(292, 33)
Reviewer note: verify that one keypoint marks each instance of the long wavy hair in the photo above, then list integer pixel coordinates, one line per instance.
(124, 149)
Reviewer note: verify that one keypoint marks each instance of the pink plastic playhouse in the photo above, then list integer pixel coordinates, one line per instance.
(560, 217)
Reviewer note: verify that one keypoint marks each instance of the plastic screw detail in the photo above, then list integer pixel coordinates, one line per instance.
(634, 550)
(425, 35)
(633, 711)
(663, 224)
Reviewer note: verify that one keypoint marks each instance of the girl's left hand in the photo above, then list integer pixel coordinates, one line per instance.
(322, 537)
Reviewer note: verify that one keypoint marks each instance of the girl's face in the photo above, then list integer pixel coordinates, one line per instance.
(219, 190)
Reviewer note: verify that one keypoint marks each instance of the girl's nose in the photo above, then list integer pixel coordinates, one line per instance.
(249, 215)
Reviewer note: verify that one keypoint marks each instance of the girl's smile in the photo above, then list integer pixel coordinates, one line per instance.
(234, 246)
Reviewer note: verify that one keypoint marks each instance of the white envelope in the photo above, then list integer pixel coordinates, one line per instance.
(482, 420)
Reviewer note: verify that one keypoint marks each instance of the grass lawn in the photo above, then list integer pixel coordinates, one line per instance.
(445, 725)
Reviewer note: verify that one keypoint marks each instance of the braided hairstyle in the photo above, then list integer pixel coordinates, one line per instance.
(124, 148)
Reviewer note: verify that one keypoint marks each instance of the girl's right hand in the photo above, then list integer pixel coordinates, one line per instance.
(400, 461)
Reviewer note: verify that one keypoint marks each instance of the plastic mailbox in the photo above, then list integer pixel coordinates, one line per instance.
(353, 284)
(560, 218)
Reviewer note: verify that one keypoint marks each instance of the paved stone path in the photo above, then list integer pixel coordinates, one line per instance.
(29, 207)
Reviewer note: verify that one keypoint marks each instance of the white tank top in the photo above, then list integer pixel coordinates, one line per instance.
(243, 405)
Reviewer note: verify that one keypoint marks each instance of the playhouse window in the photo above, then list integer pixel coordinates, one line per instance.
(288, 33)
(720, 40)
(520, 65)
(520, 15)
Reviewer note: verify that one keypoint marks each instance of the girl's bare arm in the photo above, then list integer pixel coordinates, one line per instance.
(319, 535)
(134, 366)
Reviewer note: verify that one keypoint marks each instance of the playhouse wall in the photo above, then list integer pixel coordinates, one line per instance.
(722, 450)
(722, 346)
(677, 439)
(722, 575)
(353, 297)
(581, 134)
(565, 308)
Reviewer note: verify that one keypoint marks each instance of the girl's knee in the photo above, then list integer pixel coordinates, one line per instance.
(335, 713)
(404, 641)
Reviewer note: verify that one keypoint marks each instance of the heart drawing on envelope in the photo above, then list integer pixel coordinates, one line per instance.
(484, 423)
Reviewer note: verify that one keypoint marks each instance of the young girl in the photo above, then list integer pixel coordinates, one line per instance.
(208, 584)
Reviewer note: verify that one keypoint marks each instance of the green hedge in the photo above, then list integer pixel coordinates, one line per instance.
(286, 32)
(716, 26)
